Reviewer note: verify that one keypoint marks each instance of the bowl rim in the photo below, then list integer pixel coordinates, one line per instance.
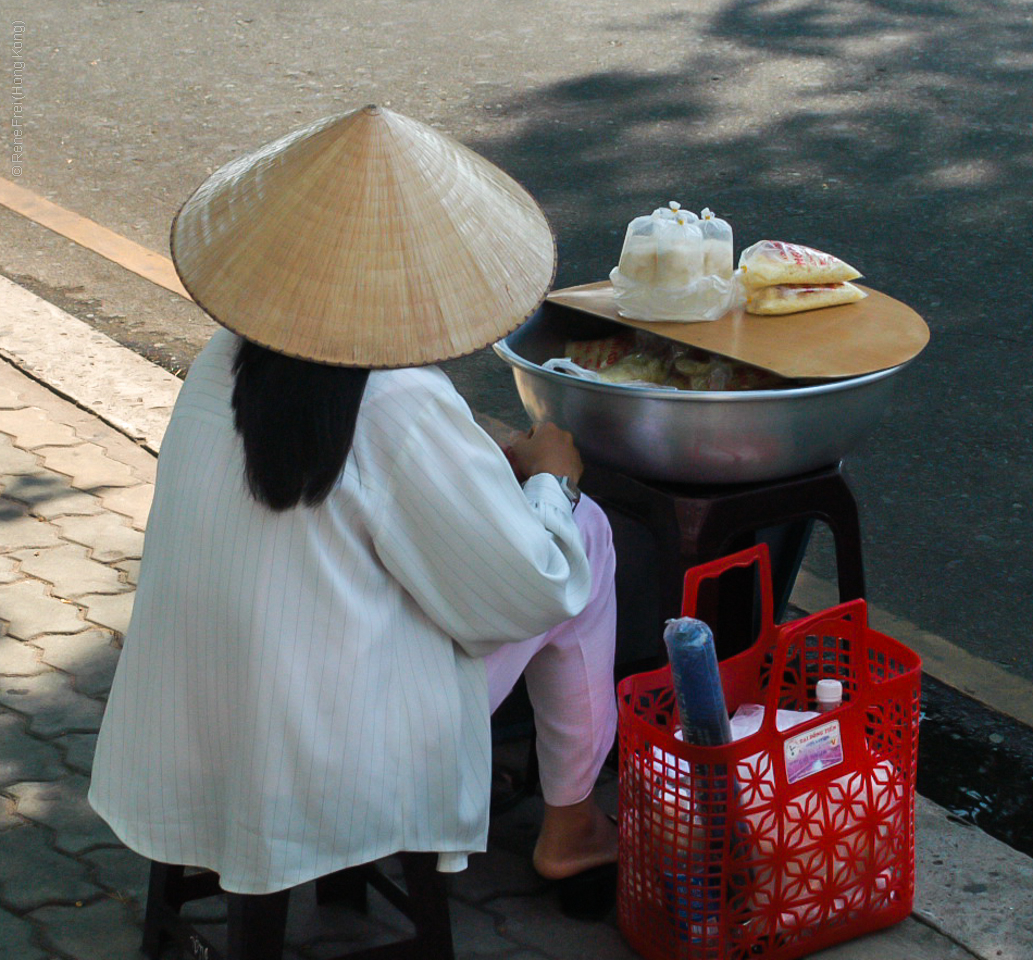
(510, 356)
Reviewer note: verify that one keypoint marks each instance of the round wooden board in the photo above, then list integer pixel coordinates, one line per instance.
(875, 333)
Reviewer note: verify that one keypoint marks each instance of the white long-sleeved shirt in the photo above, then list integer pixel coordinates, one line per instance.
(302, 691)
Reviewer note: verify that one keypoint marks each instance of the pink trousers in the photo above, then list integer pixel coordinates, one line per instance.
(569, 673)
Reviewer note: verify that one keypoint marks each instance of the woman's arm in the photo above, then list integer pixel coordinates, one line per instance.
(487, 561)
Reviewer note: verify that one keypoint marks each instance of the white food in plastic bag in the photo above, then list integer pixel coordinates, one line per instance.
(676, 267)
(718, 256)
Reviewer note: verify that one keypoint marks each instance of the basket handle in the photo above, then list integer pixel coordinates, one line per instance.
(855, 611)
(758, 555)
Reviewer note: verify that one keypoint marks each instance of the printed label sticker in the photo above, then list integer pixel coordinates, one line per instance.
(813, 751)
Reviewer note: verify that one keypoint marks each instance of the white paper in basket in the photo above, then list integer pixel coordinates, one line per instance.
(806, 817)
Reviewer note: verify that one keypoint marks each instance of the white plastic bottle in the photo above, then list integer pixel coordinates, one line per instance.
(828, 694)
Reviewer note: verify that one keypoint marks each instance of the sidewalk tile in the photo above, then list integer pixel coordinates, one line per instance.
(340, 928)
(79, 749)
(88, 465)
(34, 394)
(9, 571)
(483, 932)
(35, 874)
(958, 863)
(14, 460)
(121, 871)
(111, 611)
(25, 757)
(19, 530)
(51, 704)
(62, 806)
(89, 658)
(119, 447)
(31, 428)
(50, 495)
(30, 611)
(11, 399)
(8, 818)
(70, 570)
(503, 874)
(536, 923)
(19, 659)
(108, 536)
(17, 936)
(133, 502)
(94, 931)
(130, 570)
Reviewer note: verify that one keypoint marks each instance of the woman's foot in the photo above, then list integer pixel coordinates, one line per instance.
(574, 839)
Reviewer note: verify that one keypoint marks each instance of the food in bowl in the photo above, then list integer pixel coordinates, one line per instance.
(689, 436)
(638, 358)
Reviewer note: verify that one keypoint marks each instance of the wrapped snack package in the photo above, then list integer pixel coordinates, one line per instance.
(796, 297)
(772, 262)
(675, 267)
(782, 278)
(599, 354)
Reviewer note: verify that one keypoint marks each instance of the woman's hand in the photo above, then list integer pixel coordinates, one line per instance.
(545, 448)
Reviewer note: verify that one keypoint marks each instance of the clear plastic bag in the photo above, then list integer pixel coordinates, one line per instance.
(771, 262)
(676, 267)
(797, 297)
(718, 256)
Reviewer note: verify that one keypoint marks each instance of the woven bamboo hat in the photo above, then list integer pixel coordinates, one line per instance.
(367, 239)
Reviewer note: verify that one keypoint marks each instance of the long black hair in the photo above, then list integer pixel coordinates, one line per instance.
(297, 421)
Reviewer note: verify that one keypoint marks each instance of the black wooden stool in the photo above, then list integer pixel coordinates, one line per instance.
(662, 529)
(256, 923)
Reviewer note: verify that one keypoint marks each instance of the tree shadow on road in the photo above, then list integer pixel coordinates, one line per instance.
(907, 139)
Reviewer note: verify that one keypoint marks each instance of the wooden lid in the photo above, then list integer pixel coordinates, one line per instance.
(875, 333)
(367, 239)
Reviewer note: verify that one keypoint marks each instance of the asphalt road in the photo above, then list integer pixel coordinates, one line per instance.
(895, 133)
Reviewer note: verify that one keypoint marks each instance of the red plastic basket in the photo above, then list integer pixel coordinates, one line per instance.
(784, 842)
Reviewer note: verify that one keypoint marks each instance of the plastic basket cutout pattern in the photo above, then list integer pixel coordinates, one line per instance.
(728, 853)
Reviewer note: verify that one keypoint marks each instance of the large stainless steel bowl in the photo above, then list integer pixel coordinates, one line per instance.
(690, 436)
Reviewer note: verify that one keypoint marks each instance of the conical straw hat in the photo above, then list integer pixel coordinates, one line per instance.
(367, 239)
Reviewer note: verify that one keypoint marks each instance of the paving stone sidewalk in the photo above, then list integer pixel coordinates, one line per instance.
(74, 496)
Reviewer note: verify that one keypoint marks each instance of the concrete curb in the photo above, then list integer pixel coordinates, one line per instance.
(71, 358)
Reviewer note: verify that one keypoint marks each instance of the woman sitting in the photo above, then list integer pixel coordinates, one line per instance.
(342, 575)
